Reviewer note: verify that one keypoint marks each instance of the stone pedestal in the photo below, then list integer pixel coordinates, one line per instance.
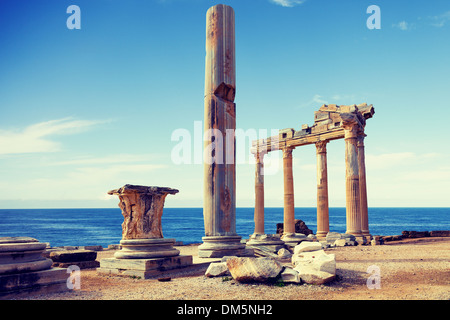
(268, 241)
(292, 239)
(220, 246)
(144, 252)
(24, 271)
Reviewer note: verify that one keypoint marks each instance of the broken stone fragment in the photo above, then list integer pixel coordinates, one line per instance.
(247, 269)
(217, 269)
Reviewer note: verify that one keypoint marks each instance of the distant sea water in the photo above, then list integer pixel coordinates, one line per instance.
(81, 227)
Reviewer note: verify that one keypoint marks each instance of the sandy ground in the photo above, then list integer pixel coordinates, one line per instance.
(409, 269)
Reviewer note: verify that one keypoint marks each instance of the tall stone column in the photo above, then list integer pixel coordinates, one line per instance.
(289, 207)
(219, 200)
(352, 198)
(289, 236)
(259, 193)
(323, 224)
(362, 186)
(259, 239)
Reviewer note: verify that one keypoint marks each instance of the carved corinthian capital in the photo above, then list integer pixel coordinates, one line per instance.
(321, 146)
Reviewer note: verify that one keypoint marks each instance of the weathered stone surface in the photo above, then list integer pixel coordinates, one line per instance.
(143, 268)
(300, 227)
(254, 269)
(81, 264)
(217, 269)
(315, 267)
(316, 259)
(440, 233)
(307, 246)
(225, 258)
(284, 254)
(312, 276)
(333, 236)
(340, 243)
(289, 275)
(73, 255)
(24, 271)
(142, 208)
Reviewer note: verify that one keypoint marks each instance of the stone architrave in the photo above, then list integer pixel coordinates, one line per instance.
(219, 200)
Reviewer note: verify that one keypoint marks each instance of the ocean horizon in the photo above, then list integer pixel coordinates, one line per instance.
(102, 226)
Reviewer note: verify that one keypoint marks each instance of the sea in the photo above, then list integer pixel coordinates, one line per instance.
(85, 227)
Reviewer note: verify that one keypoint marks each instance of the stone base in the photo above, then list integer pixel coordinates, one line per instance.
(18, 285)
(147, 249)
(221, 246)
(143, 268)
(80, 264)
(268, 241)
(293, 239)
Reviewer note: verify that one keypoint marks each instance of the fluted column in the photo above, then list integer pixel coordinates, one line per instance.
(259, 193)
(362, 186)
(352, 179)
(289, 215)
(323, 224)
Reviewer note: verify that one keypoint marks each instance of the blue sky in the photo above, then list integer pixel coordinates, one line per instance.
(89, 110)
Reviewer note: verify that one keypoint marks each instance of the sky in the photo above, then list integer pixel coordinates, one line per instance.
(84, 111)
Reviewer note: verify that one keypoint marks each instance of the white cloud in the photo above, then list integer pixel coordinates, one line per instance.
(440, 20)
(34, 138)
(403, 25)
(317, 99)
(288, 3)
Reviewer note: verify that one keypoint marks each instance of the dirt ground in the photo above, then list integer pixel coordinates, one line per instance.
(409, 269)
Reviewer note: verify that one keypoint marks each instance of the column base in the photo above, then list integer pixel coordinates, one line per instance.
(147, 249)
(293, 239)
(321, 234)
(269, 241)
(220, 246)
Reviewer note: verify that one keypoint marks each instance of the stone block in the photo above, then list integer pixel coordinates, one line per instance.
(440, 233)
(73, 255)
(217, 269)
(254, 269)
(143, 268)
(289, 275)
(17, 285)
(307, 246)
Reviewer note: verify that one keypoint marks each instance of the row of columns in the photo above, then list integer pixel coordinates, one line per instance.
(356, 192)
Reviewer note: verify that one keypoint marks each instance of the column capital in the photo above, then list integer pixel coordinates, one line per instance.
(259, 156)
(321, 146)
(287, 152)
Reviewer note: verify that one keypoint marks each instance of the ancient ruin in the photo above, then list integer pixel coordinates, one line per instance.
(23, 269)
(331, 122)
(219, 207)
(144, 251)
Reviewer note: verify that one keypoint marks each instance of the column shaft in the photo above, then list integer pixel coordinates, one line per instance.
(259, 194)
(352, 181)
(363, 187)
(289, 215)
(219, 207)
(323, 224)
